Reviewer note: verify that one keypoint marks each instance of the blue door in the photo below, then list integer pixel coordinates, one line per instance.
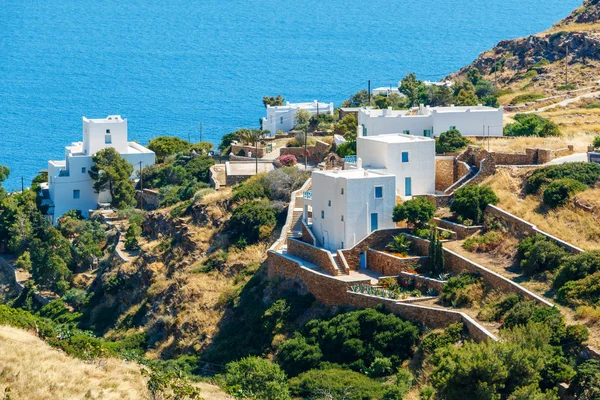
(407, 187)
(374, 223)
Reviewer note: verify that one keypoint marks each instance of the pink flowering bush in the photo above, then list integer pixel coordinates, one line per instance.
(288, 160)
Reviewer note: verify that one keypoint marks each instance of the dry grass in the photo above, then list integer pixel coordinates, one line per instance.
(251, 254)
(35, 371)
(589, 315)
(568, 223)
(580, 142)
(590, 27)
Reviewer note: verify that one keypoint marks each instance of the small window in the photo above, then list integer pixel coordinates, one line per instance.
(108, 131)
(453, 128)
(76, 194)
(329, 203)
(406, 132)
(364, 130)
(281, 120)
(379, 192)
(342, 190)
(342, 245)
(405, 156)
(427, 133)
(83, 170)
(322, 214)
(107, 139)
(342, 218)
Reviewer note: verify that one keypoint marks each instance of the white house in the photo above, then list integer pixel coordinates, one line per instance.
(347, 205)
(386, 91)
(69, 183)
(410, 159)
(428, 121)
(283, 118)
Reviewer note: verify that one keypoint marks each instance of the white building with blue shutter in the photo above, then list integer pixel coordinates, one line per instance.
(411, 159)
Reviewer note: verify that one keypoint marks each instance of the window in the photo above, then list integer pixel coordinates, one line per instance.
(364, 129)
(342, 245)
(374, 222)
(452, 128)
(281, 120)
(76, 194)
(342, 218)
(108, 131)
(83, 170)
(427, 133)
(322, 214)
(406, 132)
(407, 187)
(379, 192)
(342, 190)
(107, 139)
(329, 203)
(405, 156)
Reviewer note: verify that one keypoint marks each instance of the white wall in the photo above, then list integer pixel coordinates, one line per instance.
(356, 205)
(469, 123)
(95, 131)
(420, 166)
(283, 118)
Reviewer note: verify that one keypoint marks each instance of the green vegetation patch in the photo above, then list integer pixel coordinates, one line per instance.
(531, 125)
(584, 172)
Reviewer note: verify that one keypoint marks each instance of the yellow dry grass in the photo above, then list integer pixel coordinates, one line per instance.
(590, 27)
(580, 141)
(569, 223)
(250, 254)
(35, 371)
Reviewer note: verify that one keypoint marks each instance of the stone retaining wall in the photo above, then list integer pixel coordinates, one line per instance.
(333, 292)
(307, 235)
(147, 199)
(389, 265)
(316, 153)
(378, 238)
(462, 231)
(314, 255)
(16, 285)
(444, 172)
(423, 282)
(236, 148)
(522, 228)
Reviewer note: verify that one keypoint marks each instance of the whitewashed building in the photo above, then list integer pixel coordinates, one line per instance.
(347, 205)
(387, 91)
(479, 121)
(69, 184)
(283, 118)
(410, 159)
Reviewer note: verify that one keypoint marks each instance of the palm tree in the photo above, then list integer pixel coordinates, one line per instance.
(399, 244)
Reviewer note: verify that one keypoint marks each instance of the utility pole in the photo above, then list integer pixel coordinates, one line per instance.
(305, 151)
(200, 130)
(567, 67)
(141, 188)
(369, 89)
(256, 155)
(22, 184)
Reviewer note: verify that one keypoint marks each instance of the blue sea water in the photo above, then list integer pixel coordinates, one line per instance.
(167, 65)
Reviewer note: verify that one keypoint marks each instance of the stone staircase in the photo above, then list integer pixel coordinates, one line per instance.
(296, 225)
(338, 265)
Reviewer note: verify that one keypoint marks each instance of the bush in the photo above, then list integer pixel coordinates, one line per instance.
(584, 172)
(417, 212)
(288, 160)
(531, 125)
(525, 312)
(597, 137)
(297, 355)
(559, 192)
(586, 383)
(462, 290)
(255, 378)
(483, 243)
(582, 291)
(537, 254)
(399, 244)
(253, 221)
(577, 267)
(451, 141)
(435, 340)
(470, 202)
(131, 237)
(336, 384)
(526, 98)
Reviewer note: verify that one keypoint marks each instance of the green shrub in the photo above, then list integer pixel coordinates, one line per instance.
(337, 383)
(592, 106)
(417, 211)
(537, 254)
(483, 243)
(569, 86)
(559, 192)
(463, 289)
(525, 312)
(399, 244)
(131, 237)
(470, 202)
(584, 172)
(253, 221)
(434, 340)
(297, 355)
(597, 137)
(531, 125)
(586, 383)
(526, 98)
(577, 267)
(581, 292)
(451, 141)
(256, 378)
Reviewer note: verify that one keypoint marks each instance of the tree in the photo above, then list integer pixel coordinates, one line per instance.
(399, 244)
(346, 149)
(111, 173)
(359, 99)
(256, 378)
(470, 202)
(346, 125)
(131, 237)
(577, 267)
(273, 101)
(24, 261)
(164, 146)
(302, 116)
(586, 384)
(382, 101)
(4, 173)
(474, 76)
(451, 141)
(335, 383)
(413, 89)
(253, 221)
(439, 95)
(435, 262)
(296, 355)
(537, 254)
(466, 98)
(531, 125)
(417, 212)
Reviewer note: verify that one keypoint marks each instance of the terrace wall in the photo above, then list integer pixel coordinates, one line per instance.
(389, 265)
(314, 255)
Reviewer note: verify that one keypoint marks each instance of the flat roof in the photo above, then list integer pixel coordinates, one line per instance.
(109, 119)
(396, 138)
(357, 173)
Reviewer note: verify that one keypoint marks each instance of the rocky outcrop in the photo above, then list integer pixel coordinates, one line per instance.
(158, 224)
(589, 12)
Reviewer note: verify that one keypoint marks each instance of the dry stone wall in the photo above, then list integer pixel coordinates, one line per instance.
(378, 238)
(389, 265)
(312, 254)
(462, 231)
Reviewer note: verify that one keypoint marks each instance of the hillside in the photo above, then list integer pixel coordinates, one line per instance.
(536, 63)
